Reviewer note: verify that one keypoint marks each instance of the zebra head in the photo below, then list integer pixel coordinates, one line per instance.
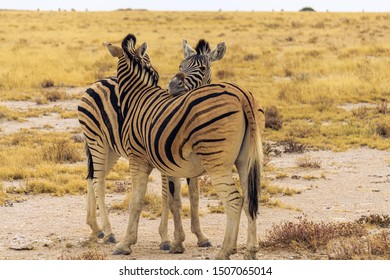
(134, 58)
(195, 69)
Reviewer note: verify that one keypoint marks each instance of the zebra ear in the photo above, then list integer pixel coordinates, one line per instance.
(142, 49)
(128, 43)
(187, 50)
(114, 50)
(218, 52)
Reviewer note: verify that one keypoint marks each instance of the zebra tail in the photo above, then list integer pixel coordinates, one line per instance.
(90, 162)
(255, 160)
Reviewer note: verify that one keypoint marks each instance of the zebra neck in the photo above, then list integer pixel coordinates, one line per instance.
(132, 77)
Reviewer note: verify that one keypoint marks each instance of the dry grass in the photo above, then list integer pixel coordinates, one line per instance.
(340, 241)
(302, 63)
(308, 162)
(306, 234)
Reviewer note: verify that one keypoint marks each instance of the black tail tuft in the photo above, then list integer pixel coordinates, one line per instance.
(253, 189)
(90, 163)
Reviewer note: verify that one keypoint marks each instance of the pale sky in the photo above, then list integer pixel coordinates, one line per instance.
(201, 5)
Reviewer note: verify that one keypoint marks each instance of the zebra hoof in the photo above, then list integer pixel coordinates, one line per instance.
(100, 234)
(110, 239)
(250, 255)
(177, 249)
(165, 246)
(122, 251)
(204, 243)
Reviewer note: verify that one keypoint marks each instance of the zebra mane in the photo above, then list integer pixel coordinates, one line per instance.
(203, 47)
(131, 54)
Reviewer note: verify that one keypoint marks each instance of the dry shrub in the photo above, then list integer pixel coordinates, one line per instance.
(302, 129)
(91, 254)
(382, 107)
(360, 112)
(224, 74)
(47, 83)
(151, 208)
(308, 162)
(54, 95)
(375, 246)
(309, 235)
(273, 119)
(250, 57)
(61, 151)
(382, 221)
(383, 129)
(291, 146)
(205, 186)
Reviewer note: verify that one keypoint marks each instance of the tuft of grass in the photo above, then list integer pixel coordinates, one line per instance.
(273, 120)
(308, 162)
(216, 209)
(61, 150)
(48, 83)
(382, 221)
(308, 234)
(151, 208)
(383, 129)
(291, 146)
(90, 254)
(54, 95)
(224, 74)
(371, 247)
(205, 186)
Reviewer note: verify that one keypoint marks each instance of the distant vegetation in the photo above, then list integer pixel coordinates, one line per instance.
(307, 9)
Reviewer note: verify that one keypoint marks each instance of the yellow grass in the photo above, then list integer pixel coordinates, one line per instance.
(305, 64)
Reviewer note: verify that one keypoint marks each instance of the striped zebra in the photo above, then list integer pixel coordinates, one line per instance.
(101, 120)
(206, 130)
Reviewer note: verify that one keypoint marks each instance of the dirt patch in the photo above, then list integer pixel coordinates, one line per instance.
(346, 186)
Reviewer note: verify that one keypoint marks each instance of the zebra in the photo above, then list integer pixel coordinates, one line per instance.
(206, 130)
(100, 118)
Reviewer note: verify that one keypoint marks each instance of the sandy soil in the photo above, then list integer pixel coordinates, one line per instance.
(346, 186)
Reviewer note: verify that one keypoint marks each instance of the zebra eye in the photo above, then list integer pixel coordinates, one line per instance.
(202, 68)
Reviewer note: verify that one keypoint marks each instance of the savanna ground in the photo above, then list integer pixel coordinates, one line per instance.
(322, 78)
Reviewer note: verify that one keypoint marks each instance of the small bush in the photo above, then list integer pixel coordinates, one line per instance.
(382, 107)
(308, 162)
(205, 186)
(383, 129)
(382, 221)
(47, 83)
(55, 95)
(91, 254)
(224, 74)
(250, 57)
(61, 151)
(273, 118)
(307, 9)
(309, 235)
(292, 146)
(375, 246)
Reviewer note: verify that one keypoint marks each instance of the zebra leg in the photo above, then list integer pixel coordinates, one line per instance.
(111, 159)
(232, 202)
(163, 228)
(193, 192)
(251, 244)
(91, 211)
(100, 163)
(244, 173)
(175, 205)
(139, 175)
